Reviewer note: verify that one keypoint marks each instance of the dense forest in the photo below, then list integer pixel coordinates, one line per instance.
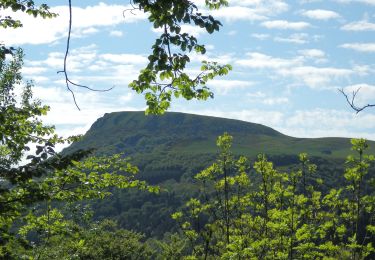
(173, 186)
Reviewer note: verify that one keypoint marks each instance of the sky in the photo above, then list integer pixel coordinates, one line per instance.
(289, 60)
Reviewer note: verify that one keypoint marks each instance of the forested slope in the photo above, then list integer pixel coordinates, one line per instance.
(170, 149)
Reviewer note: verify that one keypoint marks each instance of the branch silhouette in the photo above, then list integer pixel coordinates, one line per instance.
(69, 82)
(350, 99)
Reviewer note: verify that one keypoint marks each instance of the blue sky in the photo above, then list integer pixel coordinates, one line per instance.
(289, 59)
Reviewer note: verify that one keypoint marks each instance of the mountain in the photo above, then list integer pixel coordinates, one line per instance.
(170, 149)
(179, 133)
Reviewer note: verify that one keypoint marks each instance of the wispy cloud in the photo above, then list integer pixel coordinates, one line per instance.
(316, 77)
(369, 2)
(365, 94)
(285, 25)
(235, 13)
(361, 47)
(258, 60)
(312, 53)
(318, 56)
(116, 33)
(125, 58)
(275, 101)
(260, 36)
(297, 38)
(224, 87)
(359, 26)
(86, 21)
(320, 14)
(185, 28)
(295, 68)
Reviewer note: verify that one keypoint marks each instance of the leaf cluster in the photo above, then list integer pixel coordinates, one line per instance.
(29, 7)
(164, 76)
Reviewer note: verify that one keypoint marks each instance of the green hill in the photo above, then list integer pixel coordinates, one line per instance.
(170, 149)
(179, 133)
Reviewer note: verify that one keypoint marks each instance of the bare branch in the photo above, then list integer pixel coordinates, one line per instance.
(68, 82)
(131, 10)
(350, 99)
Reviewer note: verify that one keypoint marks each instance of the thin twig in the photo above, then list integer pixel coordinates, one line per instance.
(131, 10)
(351, 100)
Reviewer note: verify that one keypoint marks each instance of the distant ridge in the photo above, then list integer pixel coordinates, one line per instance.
(180, 133)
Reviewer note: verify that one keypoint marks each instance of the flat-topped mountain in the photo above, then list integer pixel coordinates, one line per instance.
(134, 132)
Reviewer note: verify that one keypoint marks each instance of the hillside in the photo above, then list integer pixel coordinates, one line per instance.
(179, 133)
(170, 149)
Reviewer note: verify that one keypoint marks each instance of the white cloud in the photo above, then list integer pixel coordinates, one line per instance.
(369, 2)
(193, 30)
(127, 97)
(359, 26)
(316, 77)
(222, 59)
(185, 28)
(365, 95)
(309, 1)
(258, 60)
(29, 71)
(54, 60)
(223, 87)
(262, 97)
(125, 58)
(329, 118)
(260, 36)
(297, 38)
(320, 14)
(318, 56)
(285, 25)
(312, 53)
(37, 79)
(232, 32)
(251, 10)
(85, 21)
(361, 47)
(235, 13)
(258, 94)
(116, 33)
(363, 70)
(65, 116)
(247, 10)
(78, 60)
(296, 70)
(275, 101)
(264, 7)
(82, 32)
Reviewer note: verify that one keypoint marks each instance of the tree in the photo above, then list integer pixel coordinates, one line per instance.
(277, 215)
(46, 176)
(20, 126)
(164, 77)
(104, 240)
(49, 177)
